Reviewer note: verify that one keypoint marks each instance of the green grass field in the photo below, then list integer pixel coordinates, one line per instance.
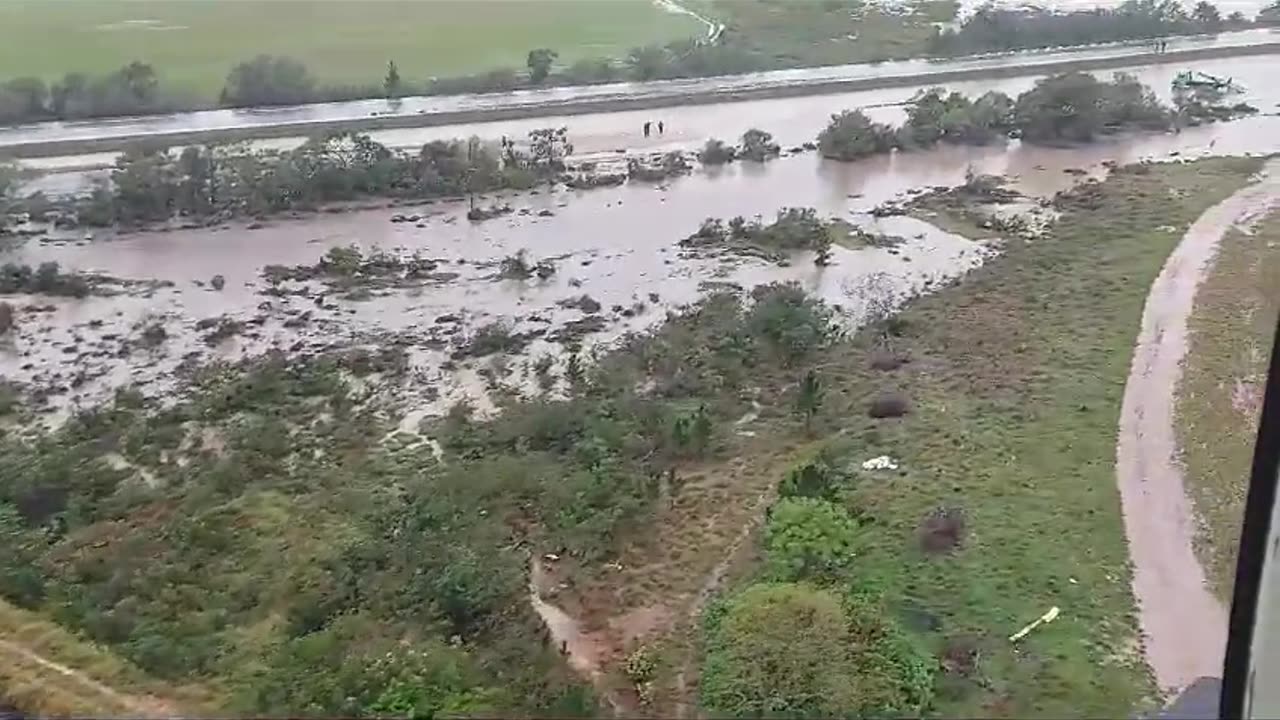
(193, 43)
(1220, 397)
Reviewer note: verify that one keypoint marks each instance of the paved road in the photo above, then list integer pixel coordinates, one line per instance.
(62, 138)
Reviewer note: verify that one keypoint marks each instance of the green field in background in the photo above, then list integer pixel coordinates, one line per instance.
(193, 43)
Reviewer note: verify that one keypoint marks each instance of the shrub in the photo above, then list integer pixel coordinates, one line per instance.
(715, 152)
(758, 145)
(942, 530)
(814, 479)
(793, 324)
(809, 539)
(793, 650)
(889, 405)
(516, 267)
(852, 135)
(6, 318)
(883, 359)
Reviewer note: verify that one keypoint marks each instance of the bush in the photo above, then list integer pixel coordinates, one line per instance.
(809, 539)
(758, 145)
(942, 530)
(715, 152)
(852, 135)
(268, 80)
(6, 318)
(795, 651)
(889, 405)
(882, 359)
(793, 324)
(814, 479)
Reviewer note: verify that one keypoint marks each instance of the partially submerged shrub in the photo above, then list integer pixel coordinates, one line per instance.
(889, 405)
(496, 337)
(758, 145)
(715, 152)
(6, 318)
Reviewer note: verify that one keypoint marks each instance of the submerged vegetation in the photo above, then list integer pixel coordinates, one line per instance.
(1067, 108)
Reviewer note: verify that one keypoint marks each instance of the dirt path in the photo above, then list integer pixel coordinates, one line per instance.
(14, 654)
(713, 28)
(1183, 623)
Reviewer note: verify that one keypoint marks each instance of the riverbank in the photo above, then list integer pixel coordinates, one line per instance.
(227, 126)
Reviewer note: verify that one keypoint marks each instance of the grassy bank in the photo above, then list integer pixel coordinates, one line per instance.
(1015, 380)
(1220, 396)
(195, 44)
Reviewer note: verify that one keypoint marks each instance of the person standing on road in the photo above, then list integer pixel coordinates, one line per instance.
(646, 128)
(661, 127)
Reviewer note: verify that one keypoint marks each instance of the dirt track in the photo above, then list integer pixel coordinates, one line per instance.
(1183, 623)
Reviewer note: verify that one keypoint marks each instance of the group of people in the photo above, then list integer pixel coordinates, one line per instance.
(648, 126)
(1159, 46)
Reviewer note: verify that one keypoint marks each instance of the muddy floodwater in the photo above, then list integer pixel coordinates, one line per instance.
(617, 245)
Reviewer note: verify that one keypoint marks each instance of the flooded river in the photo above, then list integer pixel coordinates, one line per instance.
(618, 245)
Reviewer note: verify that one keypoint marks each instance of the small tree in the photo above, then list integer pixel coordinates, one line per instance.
(809, 398)
(548, 148)
(391, 83)
(1206, 14)
(758, 145)
(539, 62)
(809, 539)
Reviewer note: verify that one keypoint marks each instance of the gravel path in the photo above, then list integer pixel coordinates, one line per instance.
(1184, 625)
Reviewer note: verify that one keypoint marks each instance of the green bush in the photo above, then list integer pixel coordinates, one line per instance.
(809, 539)
(794, 650)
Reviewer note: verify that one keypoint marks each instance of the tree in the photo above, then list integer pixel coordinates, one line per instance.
(792, 650)
(758, 145)
(1062, 107)
(647, 62)
(809, 398)
(391, 83)
(852, 135)
(268, 80)
(539, 63)
(809, 539)
(31, 95)
(141, 81)
(1206, 14)
(548, 148)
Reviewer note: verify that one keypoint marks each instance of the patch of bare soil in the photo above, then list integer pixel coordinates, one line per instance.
(654, 594)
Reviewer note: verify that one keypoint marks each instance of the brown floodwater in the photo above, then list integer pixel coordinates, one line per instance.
(618, 245)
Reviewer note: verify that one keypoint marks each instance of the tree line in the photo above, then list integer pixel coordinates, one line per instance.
(153, 184)
(268, 80)
(992, 29)
(1066, 108)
